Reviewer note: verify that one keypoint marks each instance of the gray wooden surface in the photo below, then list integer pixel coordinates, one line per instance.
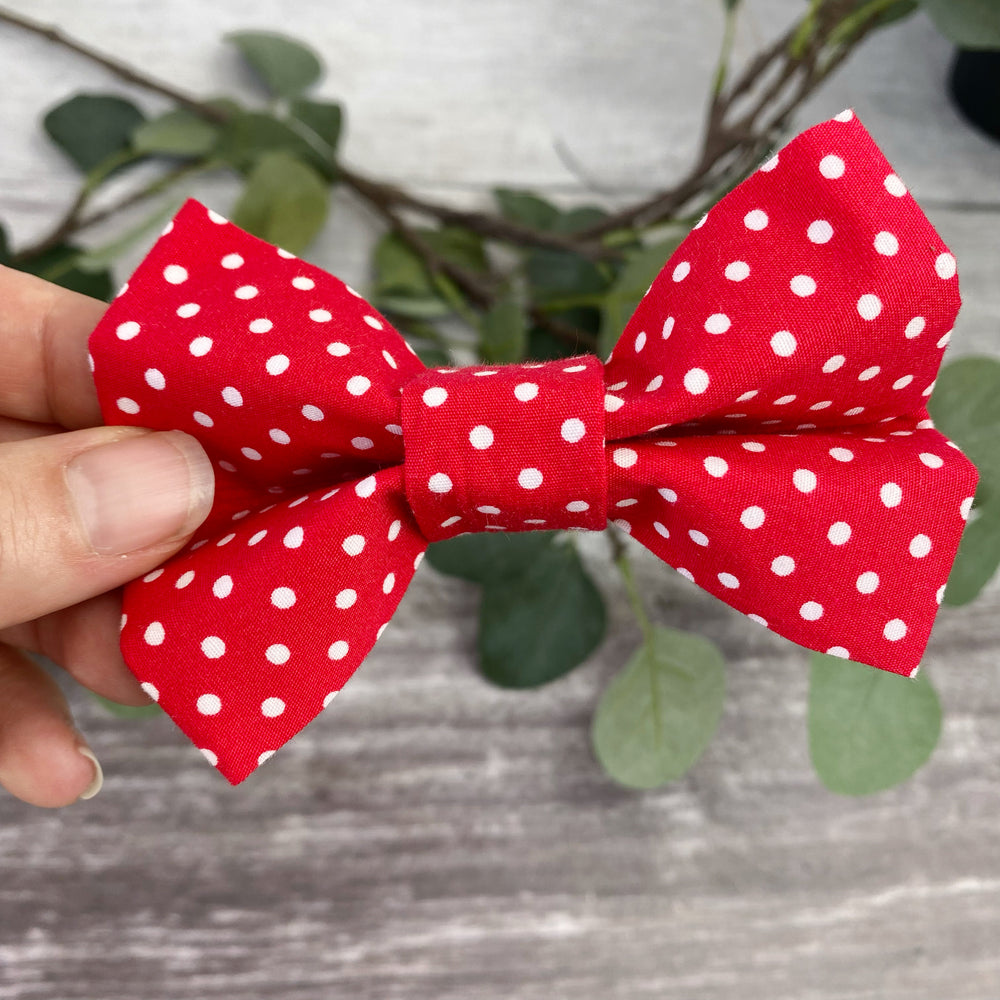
(430, 836)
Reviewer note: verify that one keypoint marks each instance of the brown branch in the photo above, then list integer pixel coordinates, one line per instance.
(725, 147)
(744, 136)
(491, 226)
(63, 230)
(74, 221)
(479, 290)
(114, 66)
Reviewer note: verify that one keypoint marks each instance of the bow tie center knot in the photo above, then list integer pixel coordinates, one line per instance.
(506, 447)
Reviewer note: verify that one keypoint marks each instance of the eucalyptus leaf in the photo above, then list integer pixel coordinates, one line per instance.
(978, 554)
(865, 15)
(101, 258)
(630, 286)
(458, 246)
(965, 407)
(544, 346)
(560, 274)
(576, 219)
(248, 135)
(127, 711)
(661, 711)
(538, 625)
(412, 306)
(398, 270)
(324, 118)
(285, 66)
(432, 355)
(59, 265)
(284, 202)
(868, 729)
(404, 286)
(526, 208)
(485, 557)
(176, 133)
(970, 24)
(504, 333)
(91, 128)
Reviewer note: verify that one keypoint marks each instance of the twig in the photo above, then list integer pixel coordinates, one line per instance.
(491, 226)
(120, 69)
(74, 221)
(479, 290)
(728, 149)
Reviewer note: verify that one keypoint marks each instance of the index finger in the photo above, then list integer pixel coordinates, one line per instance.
(44, 374)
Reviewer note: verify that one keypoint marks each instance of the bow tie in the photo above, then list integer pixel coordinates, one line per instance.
(761, 426)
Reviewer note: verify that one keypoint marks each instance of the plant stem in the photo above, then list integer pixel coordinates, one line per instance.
(624, 564)
(729, 149)
(726, 50)
(114, 66)
(491, 226)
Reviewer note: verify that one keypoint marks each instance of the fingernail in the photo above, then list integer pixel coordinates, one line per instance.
(98, 783)
(141, 490)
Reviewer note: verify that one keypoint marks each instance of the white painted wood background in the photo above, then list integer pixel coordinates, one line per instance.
(432, 837)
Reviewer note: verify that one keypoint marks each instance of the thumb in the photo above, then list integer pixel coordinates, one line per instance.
(87, 511)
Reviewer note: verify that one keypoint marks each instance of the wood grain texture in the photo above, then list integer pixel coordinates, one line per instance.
(431, 836)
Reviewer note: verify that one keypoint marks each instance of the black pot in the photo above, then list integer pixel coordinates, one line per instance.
(975, 88)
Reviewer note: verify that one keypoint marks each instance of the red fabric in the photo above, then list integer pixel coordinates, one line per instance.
(762, 425)
(512, 448)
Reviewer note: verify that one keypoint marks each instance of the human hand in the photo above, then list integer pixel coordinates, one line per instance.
(83, 509)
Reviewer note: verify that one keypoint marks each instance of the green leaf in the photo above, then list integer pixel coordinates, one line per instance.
(862, 16)
(176, 133)
(458, 246)
(576, 219)
(630, 286)
(504, 333)
(868, 729)
(59, 265)
(661, 711)
(5, 253)
(965, 407)
(398, 270)
(543, 346)
(90, 128)
(286, 67)
(978, 554)
(127, 711)
(412, 307)
(101, 258)
(247, 136)
(526, 208)
(559, 274)
(432, 355)
(970, 24)
(404, 286)
(538, 625)
(325, 119)
(284, 202)
(489, 558)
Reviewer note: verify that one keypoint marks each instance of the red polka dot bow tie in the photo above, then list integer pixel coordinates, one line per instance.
(761, 426)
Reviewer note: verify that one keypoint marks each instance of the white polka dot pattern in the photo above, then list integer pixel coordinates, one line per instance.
(763, 421)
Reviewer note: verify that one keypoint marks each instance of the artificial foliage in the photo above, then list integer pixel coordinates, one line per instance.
(527, 279)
